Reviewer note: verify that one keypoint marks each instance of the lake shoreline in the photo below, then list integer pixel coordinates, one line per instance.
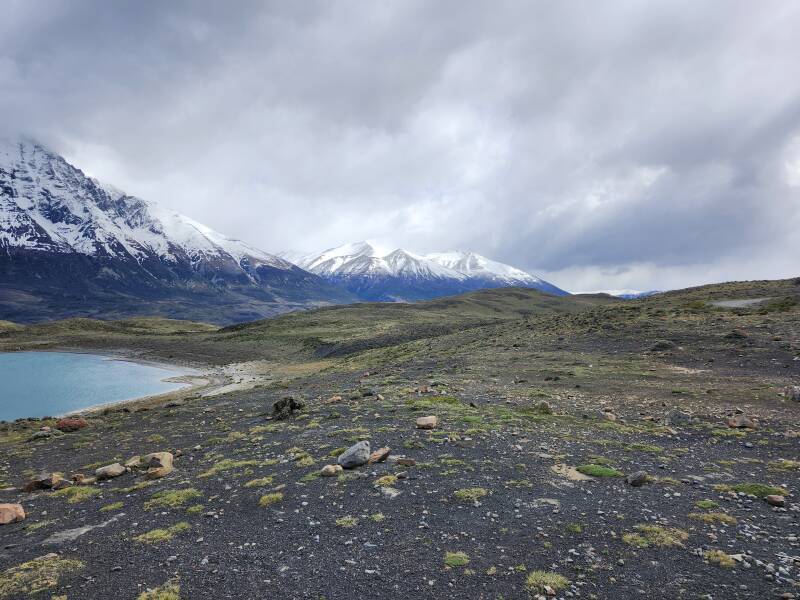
(192, 380)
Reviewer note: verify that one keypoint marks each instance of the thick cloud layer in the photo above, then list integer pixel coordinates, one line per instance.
(601, 145)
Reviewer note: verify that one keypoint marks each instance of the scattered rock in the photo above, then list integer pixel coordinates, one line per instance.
(355, 456)
(775, 500)
(662, 345)
(46, 481)
(677, 418)
(286, 406)
(110, 471)
(81, 479)
(11, 513)
(545, 408)
(70, 424)
(430, 422)
(133, 462)
(390, 492)
(379, 455)
(792, 392)
(607, 415)
(158, 464)
(331, 470)
(741, 422)
(637, 479)
(406, 462)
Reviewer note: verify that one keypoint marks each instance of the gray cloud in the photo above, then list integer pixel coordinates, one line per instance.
(632, 144)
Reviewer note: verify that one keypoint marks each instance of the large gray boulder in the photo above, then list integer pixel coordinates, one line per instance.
(355, 456)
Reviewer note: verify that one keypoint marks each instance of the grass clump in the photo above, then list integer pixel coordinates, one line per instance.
(456, 559)
(135, 487)
(386, 481)
(377, 517)
(759, 490)
(111, 507)
(718, 557)
(471, 494)
(260, 482)
(654, 535)
(598, 471)
(540, 581)
(270, 499)
(156, 536)
(36, 576)
(169, 591)
(228, 464)
(347, 522)
(784, 464)
(75, 494)
(706, 504)
(171, 498)
(195, 509)
(714, 517)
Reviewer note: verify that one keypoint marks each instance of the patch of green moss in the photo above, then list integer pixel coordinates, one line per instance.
(228, 464)
(760, 490)
(720, 558)
(270, 499)
(169, 591)
(540, 581)
(111, 507)
(156, 536)
(76, 494)
(171, 498)
(714, 517)
(456, 559)
(655, 535)
(347, 522)
(707, 504)
(471, 494)
(598, 471)
(260, 482)
(36, 576)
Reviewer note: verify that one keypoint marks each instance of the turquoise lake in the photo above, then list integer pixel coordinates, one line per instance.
(38, 384)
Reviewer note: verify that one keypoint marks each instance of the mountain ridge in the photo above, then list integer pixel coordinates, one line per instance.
(401, 275)
(71, 245)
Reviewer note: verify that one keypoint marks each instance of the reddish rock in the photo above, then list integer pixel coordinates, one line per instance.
(379, 455)
(406, 462)
(741, 422)
(69, 424)
(775, 500)
(11, 513)
(46, 481)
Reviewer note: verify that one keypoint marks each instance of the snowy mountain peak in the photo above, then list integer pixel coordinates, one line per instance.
(475, 265)
(46, 204)
(400, 274)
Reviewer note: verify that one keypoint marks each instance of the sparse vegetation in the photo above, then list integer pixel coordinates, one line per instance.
(655, 535)
(76, 494)
(456, 559)
(471, 494)
(270, 499)
(171, 498)
(157, 536)
(599, 471)
(36, 576)
(541, 581)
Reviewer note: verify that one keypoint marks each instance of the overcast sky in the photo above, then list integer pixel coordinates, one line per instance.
(644, 145)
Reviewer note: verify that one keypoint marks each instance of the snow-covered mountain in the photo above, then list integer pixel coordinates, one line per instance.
(400, 275)
(77, 246)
